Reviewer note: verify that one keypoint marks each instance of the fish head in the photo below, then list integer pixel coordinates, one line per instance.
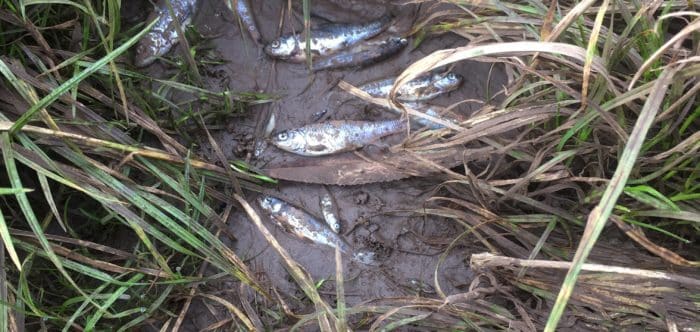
(448, 82)
(146, 52)
(270, 204)
(397, 42)
(290, 140)
(285, 48)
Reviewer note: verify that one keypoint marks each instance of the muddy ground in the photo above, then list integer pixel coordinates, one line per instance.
(373, 215)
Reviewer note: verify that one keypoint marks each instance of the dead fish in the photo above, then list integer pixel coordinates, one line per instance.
(328, 212)
(245, 13)
(422, 88)
(362, 55)
(302, 224)
(325, 39)
(163, 35)
(330, 137)
(432, 110)
(306, 226)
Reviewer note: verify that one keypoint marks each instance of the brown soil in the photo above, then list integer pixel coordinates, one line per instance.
(373, 215)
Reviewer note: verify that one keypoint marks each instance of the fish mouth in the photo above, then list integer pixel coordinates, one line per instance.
(449, 82)
(456, 79)
(291, 57)
(269, 51)
(277, 142)
(282, 54)
(265, 202)
(295, 55)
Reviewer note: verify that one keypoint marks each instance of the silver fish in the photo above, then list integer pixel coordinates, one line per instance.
(363, 54)
(422, 88)
(306, 226)
(245, 13)
(325, 40)
(330, 137)
(163, 35)
(328, 212)
(302, 224)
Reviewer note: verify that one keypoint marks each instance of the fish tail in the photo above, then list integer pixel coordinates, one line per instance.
(245, 13)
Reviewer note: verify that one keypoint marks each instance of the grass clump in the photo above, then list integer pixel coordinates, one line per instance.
(603, 100)
(82, 159)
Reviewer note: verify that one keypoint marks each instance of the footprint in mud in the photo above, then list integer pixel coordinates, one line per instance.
(381, 251)
(245, 146)
(371, 201)
(361, 198)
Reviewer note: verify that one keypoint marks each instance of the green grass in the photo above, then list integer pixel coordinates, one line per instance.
(602, 97)
(171, 234)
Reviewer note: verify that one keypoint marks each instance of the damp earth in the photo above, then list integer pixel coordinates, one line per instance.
(384, 217)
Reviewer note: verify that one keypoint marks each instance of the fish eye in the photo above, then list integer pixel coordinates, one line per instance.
(275, 44)
(452, 76)
(283, 136)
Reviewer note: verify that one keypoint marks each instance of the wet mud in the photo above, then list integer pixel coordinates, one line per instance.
(375, 216)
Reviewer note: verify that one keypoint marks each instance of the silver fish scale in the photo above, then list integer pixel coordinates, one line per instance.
(325, 39)
(163, 35)
(421, 88)
(338, 36)
(362, 54)
(411, 90)
(334, 136)
(358, 135)
(321, 46)
(329, 215)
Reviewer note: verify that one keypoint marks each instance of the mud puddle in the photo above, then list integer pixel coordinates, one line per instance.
(373, 216)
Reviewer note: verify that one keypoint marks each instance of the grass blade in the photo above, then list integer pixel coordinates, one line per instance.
(75, 80)
(92, 321)
(341, 325)
(600, 214)
(306, 8)
(26, 207)
(7, 241)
